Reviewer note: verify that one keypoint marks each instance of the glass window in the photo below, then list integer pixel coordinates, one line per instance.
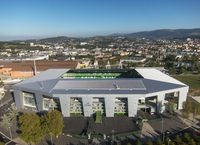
(29, 99)
(46, 103)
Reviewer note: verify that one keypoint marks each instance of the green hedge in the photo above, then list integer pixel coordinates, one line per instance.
(98, 118)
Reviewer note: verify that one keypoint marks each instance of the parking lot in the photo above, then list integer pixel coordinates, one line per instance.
(118, 124)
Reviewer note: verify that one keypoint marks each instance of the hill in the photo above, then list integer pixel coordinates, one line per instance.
(167, 34)
(155, 34)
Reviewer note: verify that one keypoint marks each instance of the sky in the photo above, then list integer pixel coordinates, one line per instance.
(25, 19)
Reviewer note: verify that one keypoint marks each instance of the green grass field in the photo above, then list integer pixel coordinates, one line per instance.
(193, 81)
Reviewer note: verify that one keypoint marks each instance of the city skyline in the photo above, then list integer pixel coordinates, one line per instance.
(39, 19)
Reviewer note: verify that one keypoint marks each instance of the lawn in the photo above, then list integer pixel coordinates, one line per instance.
(192, 80)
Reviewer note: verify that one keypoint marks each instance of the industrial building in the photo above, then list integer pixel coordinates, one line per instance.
(112, 92)
(26, 69)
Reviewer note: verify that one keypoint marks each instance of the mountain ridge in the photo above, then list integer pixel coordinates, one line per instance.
(153, 34)
(166, 33)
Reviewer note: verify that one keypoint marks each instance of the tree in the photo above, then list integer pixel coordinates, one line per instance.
(9, 117)
(197, 139)
(187, 108)
(170, 108)
(177, 139)
(138, 142)
(158, 141)
(30, 127)
(6, 121)
(1, 83)
(171, 143)
(33, 128)
(186, 137)
(188, 105)
(54, 122)
(12, 113)
(149, 142)
(191, 107)
(169, 63)
(192, 142)
(195, 110)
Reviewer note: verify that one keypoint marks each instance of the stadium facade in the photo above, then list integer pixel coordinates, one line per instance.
(112, 92)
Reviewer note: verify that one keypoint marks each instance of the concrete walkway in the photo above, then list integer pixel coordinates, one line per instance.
(19, 141)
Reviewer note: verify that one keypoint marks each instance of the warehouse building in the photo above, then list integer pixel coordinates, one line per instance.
(112, 92)
(27, 69)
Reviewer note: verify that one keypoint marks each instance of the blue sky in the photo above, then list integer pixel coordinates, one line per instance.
(21, 19)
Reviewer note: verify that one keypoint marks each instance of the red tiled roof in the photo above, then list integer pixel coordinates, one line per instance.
(40, 65)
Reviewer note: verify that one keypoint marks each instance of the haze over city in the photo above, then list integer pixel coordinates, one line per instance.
(47, 18)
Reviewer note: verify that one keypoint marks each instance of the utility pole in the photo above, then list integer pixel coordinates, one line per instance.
(51, 139)
(112, 143)
(162, 128)
(35, 68)
(162, 121)
(10, 132)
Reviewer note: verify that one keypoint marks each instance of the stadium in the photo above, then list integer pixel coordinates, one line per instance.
(111, 92)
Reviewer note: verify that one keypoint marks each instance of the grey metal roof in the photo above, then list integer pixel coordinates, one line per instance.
(50, 82)
(136, 84)
(99, 91)
(39, 86)
(157, 86)
(46, 75)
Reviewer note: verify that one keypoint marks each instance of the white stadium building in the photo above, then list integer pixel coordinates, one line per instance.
(112, 92)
